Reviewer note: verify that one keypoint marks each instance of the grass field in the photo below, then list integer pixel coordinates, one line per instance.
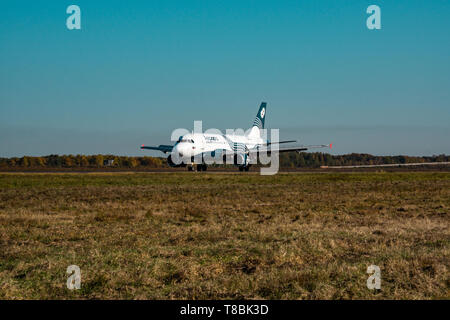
(225, 236)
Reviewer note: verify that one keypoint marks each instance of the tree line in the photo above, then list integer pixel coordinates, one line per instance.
(287, 160)
(317, 159)
(82, 161)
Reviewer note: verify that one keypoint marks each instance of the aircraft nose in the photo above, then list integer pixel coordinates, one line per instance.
(177, 151)
(182, 150)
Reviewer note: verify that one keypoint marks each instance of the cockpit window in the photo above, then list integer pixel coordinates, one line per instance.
(185, 140)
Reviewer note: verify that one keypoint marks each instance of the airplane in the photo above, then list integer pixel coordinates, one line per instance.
(241, 150)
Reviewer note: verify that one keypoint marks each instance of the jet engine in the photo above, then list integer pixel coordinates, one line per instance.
(173, 164)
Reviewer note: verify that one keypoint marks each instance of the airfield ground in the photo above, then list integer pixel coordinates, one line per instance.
(225, 235)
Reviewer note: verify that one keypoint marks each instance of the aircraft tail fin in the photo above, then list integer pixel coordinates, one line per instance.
(260, 118)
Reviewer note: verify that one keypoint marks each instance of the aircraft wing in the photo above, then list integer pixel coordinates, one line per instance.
(162, 147)
(290, 149)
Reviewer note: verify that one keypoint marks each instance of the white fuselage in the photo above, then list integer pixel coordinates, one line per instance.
(195, 144)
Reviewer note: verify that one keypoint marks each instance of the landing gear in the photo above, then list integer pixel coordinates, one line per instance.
(190, 168)
(244, 168)
(202, 167)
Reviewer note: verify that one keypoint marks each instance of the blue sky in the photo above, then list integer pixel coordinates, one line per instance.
(139, 69)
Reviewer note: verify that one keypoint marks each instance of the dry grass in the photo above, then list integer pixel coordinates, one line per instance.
(225, 236)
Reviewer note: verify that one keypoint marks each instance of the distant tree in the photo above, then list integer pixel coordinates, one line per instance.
(116, 162)
(40, 162)
(328, 159)
(99, 160)
(68, 161)
(124, 161)
(54, 160)
(84, 161)
(133, 162)
(301, 161)
(25, 162)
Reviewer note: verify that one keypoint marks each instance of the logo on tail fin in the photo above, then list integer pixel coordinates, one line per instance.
(259, 120)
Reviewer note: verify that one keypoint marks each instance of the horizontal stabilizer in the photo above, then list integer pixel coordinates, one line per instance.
(280, 142)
